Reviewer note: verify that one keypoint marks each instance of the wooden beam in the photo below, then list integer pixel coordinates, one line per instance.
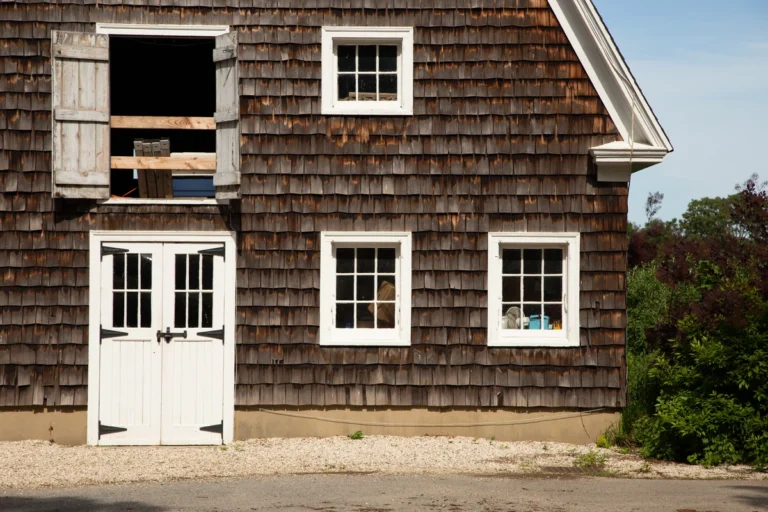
(164, 122)
(159, 162)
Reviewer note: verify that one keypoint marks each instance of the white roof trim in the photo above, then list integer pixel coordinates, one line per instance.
(617, 88)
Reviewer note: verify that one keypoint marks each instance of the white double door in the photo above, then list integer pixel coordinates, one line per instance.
(162, 350)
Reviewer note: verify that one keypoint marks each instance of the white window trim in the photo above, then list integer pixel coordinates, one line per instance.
(360, 35)
(131, 29)
(398, 337)
(569, 336)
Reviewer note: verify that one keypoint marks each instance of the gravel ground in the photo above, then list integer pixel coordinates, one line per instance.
(35, 464)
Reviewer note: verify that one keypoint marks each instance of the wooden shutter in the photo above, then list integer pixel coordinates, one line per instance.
(227, 117)
(80, 115)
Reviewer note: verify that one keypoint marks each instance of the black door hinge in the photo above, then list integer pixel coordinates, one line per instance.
(216, 429)
(107, 333)
(217, 334)
(105, 250)
(108, 429)
(216, 251)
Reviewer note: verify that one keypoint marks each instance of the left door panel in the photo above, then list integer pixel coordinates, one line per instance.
(130, 355)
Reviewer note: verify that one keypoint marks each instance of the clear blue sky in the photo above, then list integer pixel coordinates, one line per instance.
(703, 65)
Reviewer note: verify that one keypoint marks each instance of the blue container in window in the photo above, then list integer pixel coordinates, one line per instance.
(535, 322)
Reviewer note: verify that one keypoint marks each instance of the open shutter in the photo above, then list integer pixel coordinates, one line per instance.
(227, 117)
(80, 115)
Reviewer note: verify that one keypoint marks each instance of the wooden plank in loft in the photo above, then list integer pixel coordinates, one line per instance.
(203, 163)
(164, 176)
(163, 122)
(138, 150)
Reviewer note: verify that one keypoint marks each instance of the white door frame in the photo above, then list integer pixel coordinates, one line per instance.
(94, 290)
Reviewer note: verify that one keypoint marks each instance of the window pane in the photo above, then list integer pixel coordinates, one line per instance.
(345, 261)
(194, 310)
(510, 263)
(146, 309)
(118, 271)
(385, 288)
(387, 87)
(553, 289)
(387, 58)
(132, 309)
(180, 310)
(345, 316)
(386, 263)
(512, 316)
(146, 271)
(194, 271)
(365, 315)
(118, 309)
(181, 271)
(533, 312)
(365, 258)
(385, 316)
(366, 56)
(553, 261)
(532, 261)
(132, 272)
(345, 287)
(346, 58)
(364, 287)
(510, 289)
(554, 316)
(207, 272)
(347, 88)
(366, 88)
(532, 289)
(207, 310)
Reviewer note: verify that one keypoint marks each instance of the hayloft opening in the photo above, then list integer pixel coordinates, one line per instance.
(172, 81)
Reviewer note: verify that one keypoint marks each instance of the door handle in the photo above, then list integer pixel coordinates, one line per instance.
(168, 335)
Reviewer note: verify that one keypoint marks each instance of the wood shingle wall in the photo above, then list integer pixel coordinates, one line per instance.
(504, 115)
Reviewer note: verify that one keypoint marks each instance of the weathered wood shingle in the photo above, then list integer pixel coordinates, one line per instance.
(504, 115)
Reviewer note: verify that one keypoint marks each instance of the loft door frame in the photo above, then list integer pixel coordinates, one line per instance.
(94, 314)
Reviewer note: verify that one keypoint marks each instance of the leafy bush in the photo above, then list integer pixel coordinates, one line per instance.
(697, 337)
(590, 460)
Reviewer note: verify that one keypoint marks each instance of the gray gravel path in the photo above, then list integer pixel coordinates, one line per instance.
(388, 493)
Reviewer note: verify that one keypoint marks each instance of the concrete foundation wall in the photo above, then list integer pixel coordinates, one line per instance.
(60, 425)
(68, 426)
(567, 426)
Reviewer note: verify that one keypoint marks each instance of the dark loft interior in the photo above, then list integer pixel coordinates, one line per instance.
(161, 77)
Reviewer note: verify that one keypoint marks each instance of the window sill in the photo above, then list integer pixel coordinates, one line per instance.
(521, 342)
(365, 110)
(128, 201)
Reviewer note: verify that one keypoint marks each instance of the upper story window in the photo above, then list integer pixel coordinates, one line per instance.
(367, 70)
(365, 288)
(533, 289)
(172, 133)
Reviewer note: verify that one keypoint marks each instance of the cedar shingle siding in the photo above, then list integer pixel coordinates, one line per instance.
(504, 115)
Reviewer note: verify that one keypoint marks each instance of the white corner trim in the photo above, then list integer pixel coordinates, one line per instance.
(398, 337)
(611, 76)
(131, 29)
(403, 36)
(569, 336)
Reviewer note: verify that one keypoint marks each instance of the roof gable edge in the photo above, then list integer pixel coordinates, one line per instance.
(609, 73)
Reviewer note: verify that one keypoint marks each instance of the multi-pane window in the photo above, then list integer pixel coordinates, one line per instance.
(132, 290)
(533, 289)
(365, 288)
(367, 72)
(193, 299)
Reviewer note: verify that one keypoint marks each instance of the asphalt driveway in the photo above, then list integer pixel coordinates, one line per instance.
(388, 493)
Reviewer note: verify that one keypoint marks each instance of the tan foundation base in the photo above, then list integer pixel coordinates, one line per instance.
(567, 426)
(60, 425)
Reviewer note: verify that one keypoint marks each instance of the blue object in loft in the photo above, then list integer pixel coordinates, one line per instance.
(193, 186)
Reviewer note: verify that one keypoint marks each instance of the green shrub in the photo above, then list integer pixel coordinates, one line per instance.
(590, 460)
(356, 436)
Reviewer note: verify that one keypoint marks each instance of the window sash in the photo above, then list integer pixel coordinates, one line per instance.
(356, 73)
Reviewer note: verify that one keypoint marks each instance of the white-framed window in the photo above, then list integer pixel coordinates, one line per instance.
(533, 289)
(365, 288)
(367, 70)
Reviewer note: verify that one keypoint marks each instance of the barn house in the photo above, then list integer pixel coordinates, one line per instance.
(225, 219)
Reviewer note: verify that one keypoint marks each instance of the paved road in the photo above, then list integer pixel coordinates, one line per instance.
(375, 493)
